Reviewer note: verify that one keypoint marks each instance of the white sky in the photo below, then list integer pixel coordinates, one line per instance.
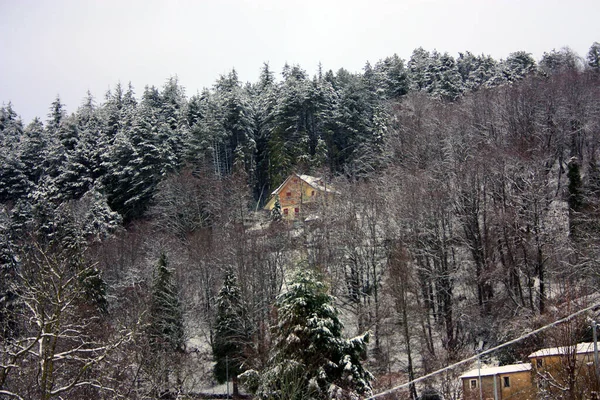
(68, 47)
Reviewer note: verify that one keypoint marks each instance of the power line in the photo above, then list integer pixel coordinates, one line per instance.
(473, 358)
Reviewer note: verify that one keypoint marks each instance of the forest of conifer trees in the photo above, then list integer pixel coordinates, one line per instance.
(135, 254)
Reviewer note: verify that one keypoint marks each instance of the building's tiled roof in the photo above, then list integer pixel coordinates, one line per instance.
(490, 371)
(582, 348)
(310, 180)
(316, 183)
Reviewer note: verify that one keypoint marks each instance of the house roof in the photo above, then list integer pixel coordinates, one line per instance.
(581, 348)
(490, 371)
(316, 183)
(310, 180)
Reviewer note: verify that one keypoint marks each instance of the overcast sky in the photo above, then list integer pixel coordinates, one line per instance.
(68, 47)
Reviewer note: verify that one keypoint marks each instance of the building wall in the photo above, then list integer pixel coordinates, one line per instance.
(487, 388)
(521, 387)
(568, 371)
(293, 196)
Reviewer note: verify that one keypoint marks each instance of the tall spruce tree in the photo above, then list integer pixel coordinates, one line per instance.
(165, 328)
(593, 57)
(310, 353)
(231, 332)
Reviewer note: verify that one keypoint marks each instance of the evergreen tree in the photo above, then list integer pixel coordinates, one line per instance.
(13, 182)
(559, 61)
(235, 122)
(119, 177)
(165, 332)
(309, 350)
(290, 141)
(34, 151)
(394, 76)
(263, 111)
(518, 65)
(448, 82)
(8, 263)
(11, 127)
(593, 57)
(144, 157)
(165, 329)
(98, 220)
(94, 289)
(419, 67)
(276, 211)
(83, 162)
(231, 336)
(174, 127)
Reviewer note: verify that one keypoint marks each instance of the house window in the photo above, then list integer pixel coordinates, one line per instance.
(288, 194)
(506, 381)
(539, 362)
(312, 192)
(473, 383)
(285, 211)
(296, 210)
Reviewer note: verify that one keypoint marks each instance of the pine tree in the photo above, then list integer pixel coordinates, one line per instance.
(13, 181)
(310, 352)
(559, 61)
(165, 329)
(420, 70)
(231, 332)
(11, 127)
(165, 332)
(263, 111)
(394, 76)
(143, 155)
(34, 151)
(276, 211)
(518, 65)
(593, 57)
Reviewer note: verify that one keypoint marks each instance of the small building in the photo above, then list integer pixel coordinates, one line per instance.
(497, 383)
(297, 193)
(565, 369)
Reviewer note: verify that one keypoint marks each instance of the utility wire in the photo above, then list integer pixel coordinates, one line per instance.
(473, 358)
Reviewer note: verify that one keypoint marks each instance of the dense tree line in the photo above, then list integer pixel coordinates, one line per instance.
(468, 205)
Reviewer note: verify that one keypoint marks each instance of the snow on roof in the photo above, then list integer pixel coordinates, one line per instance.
(489, 371)
(310, 180)
(582, 348)
(316, 183)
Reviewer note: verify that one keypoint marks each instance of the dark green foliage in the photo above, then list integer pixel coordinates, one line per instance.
(13, 184)
(165, 325)
(310, 352)
(8, 264)
(276, 211)
(593, 57)
(518, 65)
(394, 77)
(94, 289)
(559, 61)
(34, 151)
(231, 337)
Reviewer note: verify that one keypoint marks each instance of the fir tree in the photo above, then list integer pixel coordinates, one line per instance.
(34, 150)
(165, 331)
(165, 328)
(593, 57)
(276, 211)
(310, 352)
(231, 332)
